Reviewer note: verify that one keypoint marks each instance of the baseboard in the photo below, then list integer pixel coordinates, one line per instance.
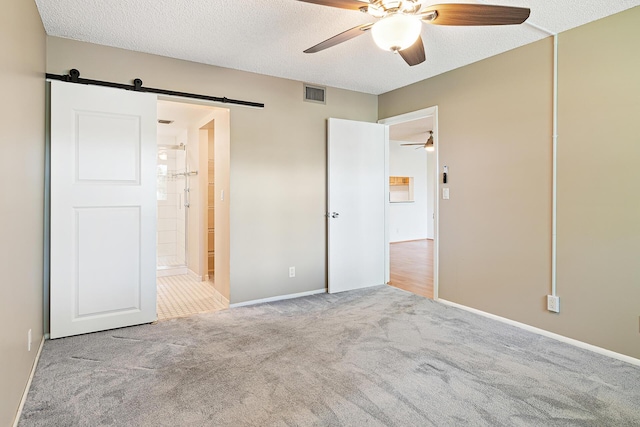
(173, 271)
(558, 337)
(26, 389)
(220, 298)
(278, 298)
(195, 275)
(411, 240)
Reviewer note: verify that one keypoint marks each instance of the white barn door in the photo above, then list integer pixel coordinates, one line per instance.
(103, 208)
(357, 188)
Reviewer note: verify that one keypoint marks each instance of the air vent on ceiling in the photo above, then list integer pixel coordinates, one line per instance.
(165, 122)
(315, 94)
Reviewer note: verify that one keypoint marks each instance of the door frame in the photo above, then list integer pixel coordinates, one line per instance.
(220, 114)
(402, 118)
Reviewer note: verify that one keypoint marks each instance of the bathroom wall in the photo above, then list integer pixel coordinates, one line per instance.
(181, 210)
(222, 245)
(170, 207)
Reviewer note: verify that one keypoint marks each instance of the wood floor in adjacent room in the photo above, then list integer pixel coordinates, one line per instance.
(412, 266)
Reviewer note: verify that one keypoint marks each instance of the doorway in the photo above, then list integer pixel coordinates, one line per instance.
(411, 225)
(104, 173)
(186, 217)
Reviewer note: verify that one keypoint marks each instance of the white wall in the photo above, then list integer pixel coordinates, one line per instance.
(170, 227)
(194, 215)
(180, 208)
(431, 194)
(410, 221)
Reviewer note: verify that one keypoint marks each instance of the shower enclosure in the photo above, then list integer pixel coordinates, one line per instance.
(173, 203)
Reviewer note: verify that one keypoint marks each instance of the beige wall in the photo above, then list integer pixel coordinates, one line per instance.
(222, 150)
(22, 63)
(599, 182)
(278, 157)
(495, 126)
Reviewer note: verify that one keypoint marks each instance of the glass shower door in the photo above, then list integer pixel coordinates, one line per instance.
(172, 216)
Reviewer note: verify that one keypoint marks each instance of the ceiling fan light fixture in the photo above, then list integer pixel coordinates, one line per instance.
(396, 32)
(429, 145)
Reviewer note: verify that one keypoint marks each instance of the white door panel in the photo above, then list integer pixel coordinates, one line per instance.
(356, 193)
(105, 140)
(103, 208)
(113, 234)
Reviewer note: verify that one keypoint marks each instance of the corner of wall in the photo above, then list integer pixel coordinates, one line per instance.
(23, 136)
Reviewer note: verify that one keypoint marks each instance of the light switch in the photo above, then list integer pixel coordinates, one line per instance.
(445, 193)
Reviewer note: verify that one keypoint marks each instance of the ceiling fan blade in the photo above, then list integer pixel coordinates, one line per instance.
(418, 143)
(414, 54)
(342, 4)
(474, 14)
(342, 37)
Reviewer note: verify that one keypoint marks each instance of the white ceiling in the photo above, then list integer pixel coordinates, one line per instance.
(269, 36)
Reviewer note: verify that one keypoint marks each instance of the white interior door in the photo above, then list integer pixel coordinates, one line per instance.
(357, 188)
(103, 208)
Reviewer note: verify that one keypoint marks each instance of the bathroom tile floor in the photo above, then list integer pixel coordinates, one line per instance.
(169, 261)
(180, 296)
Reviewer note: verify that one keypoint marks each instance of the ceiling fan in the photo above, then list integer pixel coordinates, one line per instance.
(399, 22)
(427, 145)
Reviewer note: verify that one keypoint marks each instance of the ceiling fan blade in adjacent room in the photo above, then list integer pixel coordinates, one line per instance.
(342, 4)
(475, 14)
(414, 54)
(342, 37)
(418, 143)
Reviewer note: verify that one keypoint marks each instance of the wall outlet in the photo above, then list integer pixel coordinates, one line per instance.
(292, 272)
(553, 303)
(29, 340)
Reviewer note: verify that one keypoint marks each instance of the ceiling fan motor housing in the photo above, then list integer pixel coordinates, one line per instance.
(382, 8)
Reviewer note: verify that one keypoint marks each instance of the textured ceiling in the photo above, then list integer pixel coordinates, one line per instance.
(268, 36)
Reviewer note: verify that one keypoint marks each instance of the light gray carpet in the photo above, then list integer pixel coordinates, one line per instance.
(377, 357)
